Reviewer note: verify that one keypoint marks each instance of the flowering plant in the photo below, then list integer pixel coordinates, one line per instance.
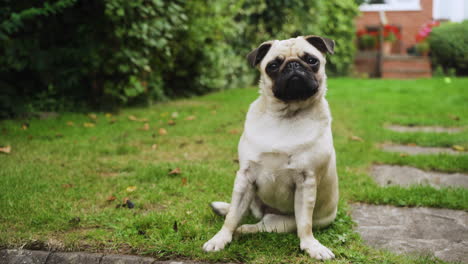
(426, 30)
(391, 33)
(367, 39)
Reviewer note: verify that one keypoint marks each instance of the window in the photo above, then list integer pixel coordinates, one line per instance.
(390, 5)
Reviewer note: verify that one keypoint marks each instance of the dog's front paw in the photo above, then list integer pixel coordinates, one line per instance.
(315, 249)
(219, 241)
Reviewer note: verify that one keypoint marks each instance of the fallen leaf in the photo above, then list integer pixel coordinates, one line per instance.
(108, 115)
(129, 204)
(189, 212)
(143, 120)
(92, 116)
(192, 117)
(403, 154)
(175, 115)
(131, 188)
(356, 138)
(454, 117)
(70, 123)
(89, 124)
(184, 181)
(132, 118)
(154, 146)
(145, 127)
(25, 126)
(67, 185)
(6, 149)
(234, 131)
(111, 198)
(171, 122)
(162, 131)
(175, 171)
(458, 148)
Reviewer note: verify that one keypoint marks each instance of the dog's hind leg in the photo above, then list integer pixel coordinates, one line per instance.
(220, 208)
(270, 223)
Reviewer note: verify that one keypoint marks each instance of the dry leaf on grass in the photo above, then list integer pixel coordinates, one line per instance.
(162, 131)
(175, 115)
(5, 150)
(92, 116)
(132, 118)
(458, 148)
(184, 181)
(403, 155)
(234, 131)
(175, 171)
(154, 146)
(70, 123)
(192, 117)
(145, 127)
(89, 124)
(131, 188)
(111, 198)
(171, 122)
(108, 115)
(25, 126)
(356, 138)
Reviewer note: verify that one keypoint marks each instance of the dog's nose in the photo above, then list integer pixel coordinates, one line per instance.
(293, 65)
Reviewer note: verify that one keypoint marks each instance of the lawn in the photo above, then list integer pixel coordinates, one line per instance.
(65, 181)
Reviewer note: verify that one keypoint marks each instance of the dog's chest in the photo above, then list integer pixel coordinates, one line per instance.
(275, 180)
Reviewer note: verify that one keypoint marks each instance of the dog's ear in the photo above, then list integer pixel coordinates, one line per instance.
(257, 55)
(323, 44)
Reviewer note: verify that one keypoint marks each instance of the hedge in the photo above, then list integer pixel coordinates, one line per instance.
(72, 54)
(449, 47)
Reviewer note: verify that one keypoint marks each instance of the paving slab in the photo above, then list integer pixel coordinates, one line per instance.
(124, 259)
(18, 256)
(405, 176)
(74, 258)
(439, 232)
(428, 129)
(416, 150)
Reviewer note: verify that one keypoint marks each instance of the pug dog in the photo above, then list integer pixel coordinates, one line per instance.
(287, 175)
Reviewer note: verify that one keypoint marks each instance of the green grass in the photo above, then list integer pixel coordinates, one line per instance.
(55, 182)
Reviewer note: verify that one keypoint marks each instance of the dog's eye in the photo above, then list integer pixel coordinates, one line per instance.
(272, 66)
(312, 60)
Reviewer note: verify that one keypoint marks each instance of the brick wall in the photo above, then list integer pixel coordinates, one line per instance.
(410, 22)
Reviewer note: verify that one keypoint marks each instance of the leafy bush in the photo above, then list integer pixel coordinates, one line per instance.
(449, 47)
(64, 54)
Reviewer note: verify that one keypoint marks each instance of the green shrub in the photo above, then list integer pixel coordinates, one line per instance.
(449, 47)
(65, 54)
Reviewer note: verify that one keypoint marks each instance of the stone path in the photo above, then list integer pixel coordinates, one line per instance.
(14, 256)
(441, 232)
(416, 150)
(405, 176)
(431, 129)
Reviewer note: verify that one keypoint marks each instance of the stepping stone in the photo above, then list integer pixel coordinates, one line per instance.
(416, 150)
(405, 176)
(439, 232)
(430, 129)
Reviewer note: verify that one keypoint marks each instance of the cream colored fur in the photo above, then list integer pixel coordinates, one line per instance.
(287, 162)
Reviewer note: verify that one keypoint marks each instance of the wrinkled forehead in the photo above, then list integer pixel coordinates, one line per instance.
(290, 48)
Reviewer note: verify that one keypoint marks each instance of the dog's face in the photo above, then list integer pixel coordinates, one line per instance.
(293, 69)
